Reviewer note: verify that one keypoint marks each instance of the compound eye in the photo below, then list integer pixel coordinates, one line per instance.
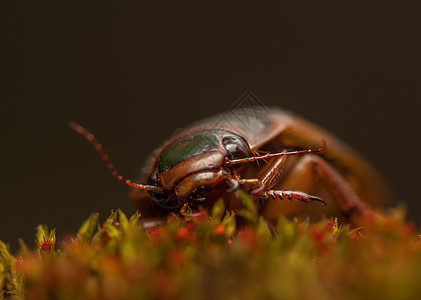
(161, 197)
(236, 147)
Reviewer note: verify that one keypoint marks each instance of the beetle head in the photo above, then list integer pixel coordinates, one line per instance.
(192, 166)
(188, 180)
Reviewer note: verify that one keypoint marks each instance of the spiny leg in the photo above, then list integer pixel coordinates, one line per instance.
(311, 168)
(271, 175)
(269, 178)
(281, 194)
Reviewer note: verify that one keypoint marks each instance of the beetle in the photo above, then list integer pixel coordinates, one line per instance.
(272, 157)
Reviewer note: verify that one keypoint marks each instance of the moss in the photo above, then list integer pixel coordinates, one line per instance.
(209, 258)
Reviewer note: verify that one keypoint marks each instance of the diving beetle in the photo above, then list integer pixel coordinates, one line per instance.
(274, 157)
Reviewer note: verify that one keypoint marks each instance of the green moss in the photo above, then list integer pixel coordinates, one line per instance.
(209, 258)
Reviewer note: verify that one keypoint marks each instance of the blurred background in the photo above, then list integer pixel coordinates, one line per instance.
(132, 72)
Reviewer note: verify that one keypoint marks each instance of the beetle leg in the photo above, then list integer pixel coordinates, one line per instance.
(312, 167)
(268, 179)
(258, 185)
(233, 184)
(340, 189)
(281, 194)
(271, 176)
(260, 192)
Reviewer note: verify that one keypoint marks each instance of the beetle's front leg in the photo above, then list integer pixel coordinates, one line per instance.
(309, 170)
(281, 194)
(259, 191)
(269, 178)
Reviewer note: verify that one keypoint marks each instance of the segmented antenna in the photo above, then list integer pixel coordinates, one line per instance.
(105, 157)
(270, 155)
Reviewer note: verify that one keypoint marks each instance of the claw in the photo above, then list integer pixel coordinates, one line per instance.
(314, 198)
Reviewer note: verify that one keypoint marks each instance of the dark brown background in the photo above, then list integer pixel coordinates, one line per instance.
(133, 72)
